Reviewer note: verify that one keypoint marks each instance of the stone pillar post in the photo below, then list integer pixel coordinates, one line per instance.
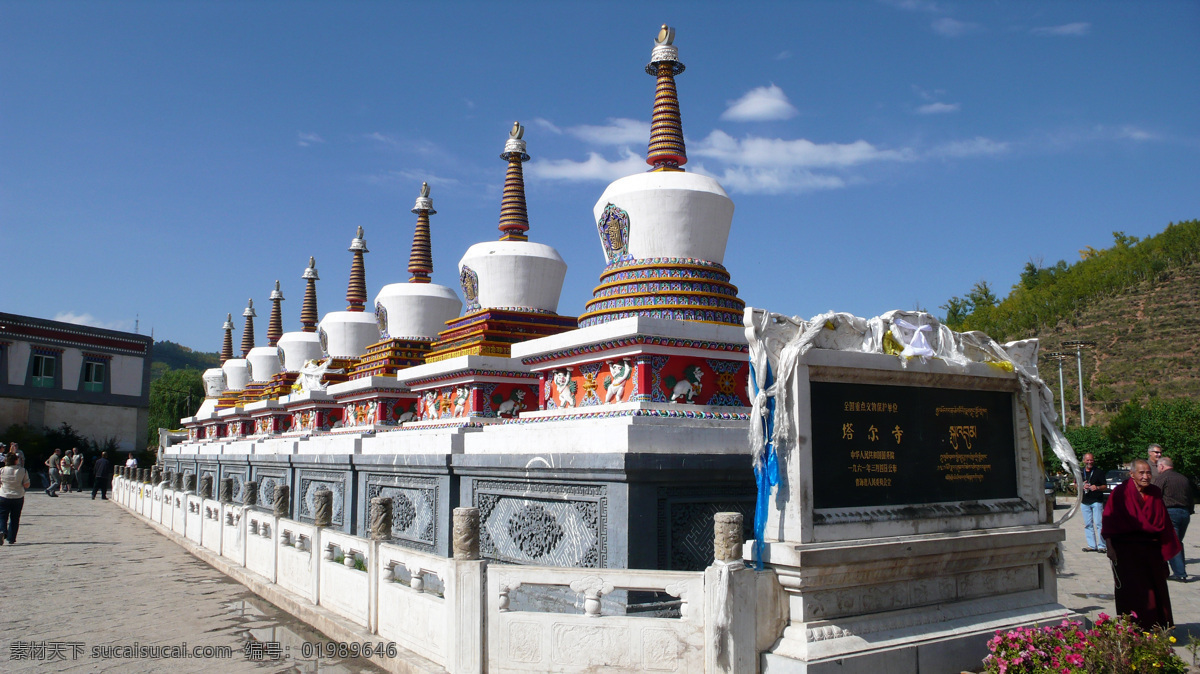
(282, 500)
(250, 493)
(155, 475)
(189, 482)
(381, 518)
(226, 495)
(322, 508)
(206, 490)
(727, 537)
(178, 480)
(466, 533)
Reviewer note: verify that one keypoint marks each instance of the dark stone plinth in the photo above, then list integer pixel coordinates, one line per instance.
(381, 518)
(206, 487)
(178, 480)
(283, 500)
(190, 483)
(226, 495)
(155, 475)
(322, 507)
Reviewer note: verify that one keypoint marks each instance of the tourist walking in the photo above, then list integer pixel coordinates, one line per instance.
(66, 470)
(52, 472)
(1095, 492)
(1180, 500)
(14, 480)
(1140, 540)
(102, 472)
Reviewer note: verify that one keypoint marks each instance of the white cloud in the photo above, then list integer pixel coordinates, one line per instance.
(618, 131)
(594, 168)
(975, 147)
(1134, 133)
(1077, 29)
(914, 5)
(306, 139)
(762, 152)
(748, 180)
(547, 125)
(91, 321)
(953, 27)
(937, 108)
(783, 55)
(760, 104)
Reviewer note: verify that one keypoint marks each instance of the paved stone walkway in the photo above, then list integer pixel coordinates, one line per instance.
(1086, 584)
(86, 572)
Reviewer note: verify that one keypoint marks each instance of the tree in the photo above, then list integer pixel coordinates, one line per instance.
(173, 396)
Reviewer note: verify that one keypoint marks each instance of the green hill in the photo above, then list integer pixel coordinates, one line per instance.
(1139, 301)
(172, 356)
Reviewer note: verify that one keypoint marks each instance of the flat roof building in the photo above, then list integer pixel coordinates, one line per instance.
(96, 380)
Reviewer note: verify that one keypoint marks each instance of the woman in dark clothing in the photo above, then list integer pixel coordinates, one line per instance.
(1140, 540)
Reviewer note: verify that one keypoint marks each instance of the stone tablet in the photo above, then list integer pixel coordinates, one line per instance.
(878, 445)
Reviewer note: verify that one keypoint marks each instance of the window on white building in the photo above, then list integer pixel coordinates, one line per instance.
(43, 370)
(93, 377)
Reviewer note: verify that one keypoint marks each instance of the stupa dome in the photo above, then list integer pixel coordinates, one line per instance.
(417, 309)
(512, 273)
(664, 232)
(347, 334)
(237, 373)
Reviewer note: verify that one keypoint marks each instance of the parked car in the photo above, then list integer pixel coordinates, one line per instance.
(1115, 477)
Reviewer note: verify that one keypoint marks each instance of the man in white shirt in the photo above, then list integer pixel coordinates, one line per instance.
(132, 462)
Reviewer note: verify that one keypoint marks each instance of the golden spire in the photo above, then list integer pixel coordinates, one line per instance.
(308, 310)
(514, 218)
(420, 261)
(356, 292)
(275, 326)
(227, 343)
(666, 151)
(248, 329)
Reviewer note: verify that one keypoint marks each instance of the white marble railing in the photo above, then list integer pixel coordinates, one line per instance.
(441, 608)
(523, 641)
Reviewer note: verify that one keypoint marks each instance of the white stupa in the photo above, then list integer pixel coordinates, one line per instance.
(237, 370)
(417, 310)
(664, 232)
(347, 334)
(304, 344)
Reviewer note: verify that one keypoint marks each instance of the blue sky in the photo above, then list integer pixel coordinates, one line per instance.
(170, 160)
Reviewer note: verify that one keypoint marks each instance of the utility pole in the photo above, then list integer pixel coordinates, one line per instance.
(1080, 345)
(1060, 356)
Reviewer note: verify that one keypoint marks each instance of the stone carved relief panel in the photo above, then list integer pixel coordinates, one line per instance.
(313, 480)
(685, 525)
(525, 642)
(591, 646)
(543, 524)
(267, 480)
(414, 507)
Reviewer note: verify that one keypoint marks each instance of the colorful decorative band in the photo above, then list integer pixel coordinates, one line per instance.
(653, 287)
(637, 340)
(680, 314)
(648, 301)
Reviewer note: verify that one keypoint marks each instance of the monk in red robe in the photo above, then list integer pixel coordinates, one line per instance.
(1140, 540)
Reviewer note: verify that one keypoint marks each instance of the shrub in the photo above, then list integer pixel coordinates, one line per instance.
(1111, 646)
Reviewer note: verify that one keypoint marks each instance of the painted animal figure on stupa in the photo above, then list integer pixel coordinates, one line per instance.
(410, 415)
(566, 388)
(614, 384)
(685, 390)
(511, 407)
